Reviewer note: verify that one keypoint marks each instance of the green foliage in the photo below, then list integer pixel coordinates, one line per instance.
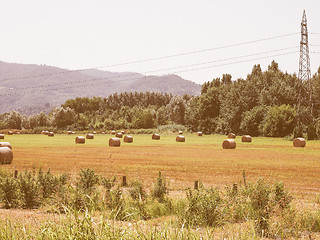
(87, 181)
(48, 182)
(137, 191)
(204, 207)
(29, 188)
(9, 188)
(252, 119)
(279, 121)
(160, 189)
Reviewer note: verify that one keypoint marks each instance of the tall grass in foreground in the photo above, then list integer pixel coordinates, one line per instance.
(96, 207)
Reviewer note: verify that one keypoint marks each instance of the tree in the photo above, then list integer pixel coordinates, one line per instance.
(176, 109)
(63, 117)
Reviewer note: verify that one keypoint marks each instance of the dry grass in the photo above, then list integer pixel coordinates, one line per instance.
(199, 158)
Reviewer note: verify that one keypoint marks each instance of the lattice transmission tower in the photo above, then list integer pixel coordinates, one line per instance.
(305, 102)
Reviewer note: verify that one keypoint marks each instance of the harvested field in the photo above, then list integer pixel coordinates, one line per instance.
(199, 158)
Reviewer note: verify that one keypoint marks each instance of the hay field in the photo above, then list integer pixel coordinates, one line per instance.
(199, 158)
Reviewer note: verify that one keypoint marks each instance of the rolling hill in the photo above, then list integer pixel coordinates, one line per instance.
(30, 88)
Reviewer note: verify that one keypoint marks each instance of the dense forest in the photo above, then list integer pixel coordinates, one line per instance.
(263, 104)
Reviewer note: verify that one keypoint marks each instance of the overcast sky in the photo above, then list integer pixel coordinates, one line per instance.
(76, 34)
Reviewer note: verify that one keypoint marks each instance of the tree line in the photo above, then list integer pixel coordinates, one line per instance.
(263, 104)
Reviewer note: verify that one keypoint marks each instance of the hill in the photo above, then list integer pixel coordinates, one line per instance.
(30, 88)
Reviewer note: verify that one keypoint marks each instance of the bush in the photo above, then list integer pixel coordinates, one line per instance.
(29, 188)
(160, 189)
(137, 191)
(9, 192)
(87, 181)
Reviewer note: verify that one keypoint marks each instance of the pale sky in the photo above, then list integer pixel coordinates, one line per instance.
(76, 34)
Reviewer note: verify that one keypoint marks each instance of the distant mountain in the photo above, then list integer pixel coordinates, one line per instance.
(30, 88)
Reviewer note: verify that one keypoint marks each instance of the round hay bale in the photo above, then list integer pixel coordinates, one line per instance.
(123, 132)
(6, 155)
(246, 138)
(180, 138)
(80, 139)
(229, 144)
(89, 136)
(10, 133)
(113, 132)
(128, 139)
(103, 133)
(119, 135)
(1, 136)
(155, 136)
(69, 132)
(5, 144)
(180, 132)
(114, 142)
(73, 132)
(94, 132)
(46, 133)
(231, 135)
(299, 142)
(51, 134)
(199, 134)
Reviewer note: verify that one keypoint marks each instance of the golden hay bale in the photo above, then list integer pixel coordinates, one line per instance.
(46, 132)
(155, 136)
(180, 138)
(229, 144)
(119, 135)
(180, 132)
(89, 136)
(123, 132)
(5, 144)
(246, 138)
(299, 142)
(10, 133)
(51, 134)
(6, 155)
(94, 132)
(199, 134)
(80, 139)
(128, 139)
(73, 132)
(114, 142)
(69, 132)
(113, 132)
(231, 135)
(1, 136)
(103, 132)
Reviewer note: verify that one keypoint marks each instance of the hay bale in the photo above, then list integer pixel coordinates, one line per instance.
(73, 132)
(113, 132)
(69, 132)
(51, 134)
(299, 142)
(10, 133)
(229, 144)
(89, 136)
(231, 135)
(199, 134)
(119, 135)
(94, 132)
(46, 133)
(180, 138)
(1, 136)
(114, 142)
(5, 144)
(103, 133)
(155, 136)
(80, 139)
(123, 132)
(246, 138)
(128, 139)
(180, 132)
(6, 155)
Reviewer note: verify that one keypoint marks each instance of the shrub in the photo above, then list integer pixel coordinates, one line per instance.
(137, 191)
(160, 189)
(87, 181)
(29, 188)
(9, 192)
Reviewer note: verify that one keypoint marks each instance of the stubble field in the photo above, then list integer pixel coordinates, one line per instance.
(199, 158)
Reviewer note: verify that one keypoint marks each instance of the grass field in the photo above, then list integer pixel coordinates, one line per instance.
(199, 158)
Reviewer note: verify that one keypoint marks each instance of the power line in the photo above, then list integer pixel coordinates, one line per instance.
(153, 71)
(154, 59)
(187, 70)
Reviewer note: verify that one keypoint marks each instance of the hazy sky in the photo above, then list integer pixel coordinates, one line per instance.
(76, 34)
